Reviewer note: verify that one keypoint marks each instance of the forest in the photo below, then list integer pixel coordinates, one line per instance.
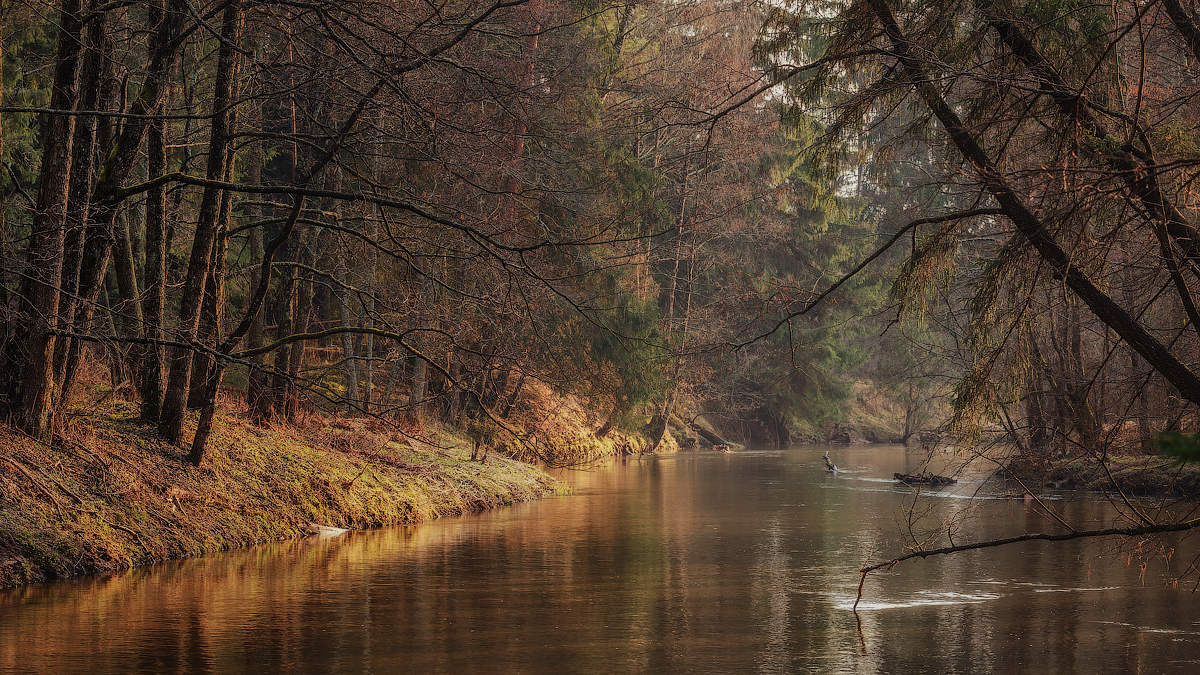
(551, 230)
(407, 213)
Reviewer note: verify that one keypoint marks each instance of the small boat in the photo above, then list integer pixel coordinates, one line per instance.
(924, 479)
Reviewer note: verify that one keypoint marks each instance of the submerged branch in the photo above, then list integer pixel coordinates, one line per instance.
(1036, 536)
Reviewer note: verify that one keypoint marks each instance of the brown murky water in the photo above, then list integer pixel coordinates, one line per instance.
(699, 563)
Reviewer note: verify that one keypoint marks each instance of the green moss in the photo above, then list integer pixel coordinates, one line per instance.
(112, 497)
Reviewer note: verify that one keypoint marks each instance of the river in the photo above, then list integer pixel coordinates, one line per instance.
(699, 562)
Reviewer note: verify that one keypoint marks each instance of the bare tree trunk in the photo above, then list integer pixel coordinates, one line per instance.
(657, 426)
(1035, 403)
(154, 271)
(910, 413)
(257, 396)
(31, 358)
(206, 333)
(281, 387)
(395, 374)
(115, 352)
(207, 232)
(213, 310)
(1142, 408)
(349, 362)
(349, 365)
(211, 313)
(514, 396)
(300, 322)
(83, 161)
(419, 382)
(610, 423)
(374, 213)
(416, 394)
(1084, 415)
(129, 311)
(369, 366)
(118, 163)
(4, 250)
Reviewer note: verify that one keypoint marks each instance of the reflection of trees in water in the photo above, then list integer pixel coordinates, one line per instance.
(701, 562)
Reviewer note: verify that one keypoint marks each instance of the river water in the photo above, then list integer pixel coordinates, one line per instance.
(699, 562)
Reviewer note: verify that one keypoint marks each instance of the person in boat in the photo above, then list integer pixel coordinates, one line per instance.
(829, 465)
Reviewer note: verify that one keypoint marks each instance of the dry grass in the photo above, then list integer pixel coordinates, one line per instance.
(559, 429)
(108, 495)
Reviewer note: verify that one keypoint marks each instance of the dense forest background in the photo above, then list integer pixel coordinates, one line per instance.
(976, 216)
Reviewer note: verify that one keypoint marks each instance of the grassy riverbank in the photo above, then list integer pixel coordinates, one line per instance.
(1143, 475)
(108, 495)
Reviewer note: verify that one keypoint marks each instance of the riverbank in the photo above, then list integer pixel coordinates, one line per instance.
(108, 495)
(1142, 475)
(872, 415)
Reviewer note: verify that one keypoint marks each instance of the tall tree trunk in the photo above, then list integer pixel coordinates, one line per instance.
(1037, 433)
(419, 383)
(374, 214)
(115, 353)
(281, 387)
(1079, 385)
(395, 373)
(213, 308)
(257, 396)
(657, 427)
(129, 311)
(154, 283)
(206, 333)
(204, 241)
(4, 250)
(211, 313)
(910, 414)
(300, 322)
(31, 358)
(99, 235)
(349, 363)
(610, 422)
(83, 162)
(342, 296)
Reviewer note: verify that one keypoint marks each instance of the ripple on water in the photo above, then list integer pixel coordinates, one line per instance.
(1148, 629)
(922, 599)
(962, 491)
(1075, 590)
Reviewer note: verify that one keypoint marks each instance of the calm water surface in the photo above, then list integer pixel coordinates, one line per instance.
(699, 562)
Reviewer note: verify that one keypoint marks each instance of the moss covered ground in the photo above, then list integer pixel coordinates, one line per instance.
(106, 495)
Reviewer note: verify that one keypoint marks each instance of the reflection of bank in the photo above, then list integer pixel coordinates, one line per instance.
(696, 562)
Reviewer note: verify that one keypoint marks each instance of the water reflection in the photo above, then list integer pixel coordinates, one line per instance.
(699, 562)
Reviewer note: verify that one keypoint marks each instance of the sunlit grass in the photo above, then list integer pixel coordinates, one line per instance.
(107, 495)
